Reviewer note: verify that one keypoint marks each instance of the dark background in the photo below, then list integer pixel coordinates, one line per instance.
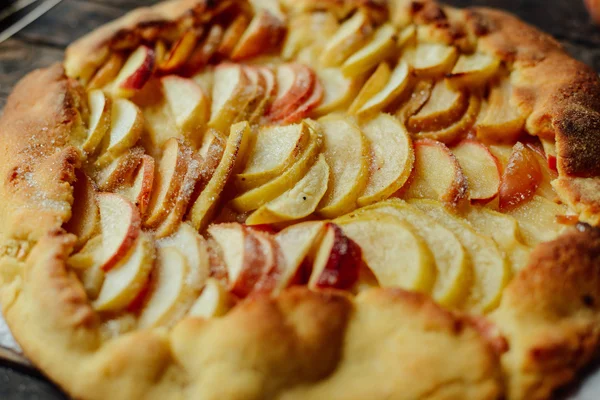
(43, 43)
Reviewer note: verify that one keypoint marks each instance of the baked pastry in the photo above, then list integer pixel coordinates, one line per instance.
(302, 199)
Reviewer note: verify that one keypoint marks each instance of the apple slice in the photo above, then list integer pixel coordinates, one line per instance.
(374, 85)
(270, 91)
(491, 271)
(431, 60)
(550, 152)
(392, 158)
(436, 175)
(233, 34)
(545, 188)
(108, 72)
(308, 31)
(305, 109)
(160, 52)
(189, 105)
(407, 37)
(394, 252)
(295, 84)
(337, 261)
(473, 70)
(235, 152)
(204, 52)
(121, 225)
(346, 150)
(259, 196)
(339, 91)
(273, 262)
(259, 84)
(169, 180)
(89, 256)
(349, 38)
(99, 122)
(126, 129)
(195, 250)
(538, 220)
(170, 294)
(214, 301)
(136, 71)
(84, 212)
(180, 52)
(298, 202)
(120, 172)
(263, 33)
(419, 97)
(520, 179)
(395, 87)
(481, 168)
(445, 106)
(140, 191)
(502, 123)
(125, 281)
(377, 50)
(231, 92)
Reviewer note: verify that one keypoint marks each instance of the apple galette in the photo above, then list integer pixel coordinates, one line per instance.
(305, 199)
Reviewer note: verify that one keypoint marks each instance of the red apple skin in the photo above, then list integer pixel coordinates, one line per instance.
(521, 178)
(343, 266)
(304, 110)
(593, 7)
(142, 74)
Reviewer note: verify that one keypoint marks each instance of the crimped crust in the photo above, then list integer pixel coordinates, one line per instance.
(304, 345)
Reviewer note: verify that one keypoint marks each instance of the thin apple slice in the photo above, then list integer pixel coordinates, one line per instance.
(346, 150)
(392, 249)
(306, 108)
(85, 214)
(377, 50)
(99, 122)
(169, 180)
(90, 255)
(136, 71)
(431, 60)
(481, 168)
(195, 250)
(170, 294)
(140, 191)
(160, 51)
(270, 91)
(233, 34)
(545, 188)
(473, 70)
(121, 225)
(126, 128)
(295, 84)
(502, 123)
(120, 172)
(263, 33)
(436, 175)
(538, 220)
(392, 158)
(108, 72)
(235, 152)
(337, 261)
(180, 52)
(394, 88)
(231, 92)
(374, 85)
(125, 281)
(273, 263)
(349, 38)
(339, 91)
(259, 196)
(214, 301)
(407, 37)
(307, 31)
(520, 179)
(188, 103)
(445, 107)
(298, 202)
(491, 271)
(550, 152)
(204, 52)
(259, 84)
(419, 97)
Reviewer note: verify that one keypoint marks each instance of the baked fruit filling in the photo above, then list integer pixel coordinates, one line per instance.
(259, 148)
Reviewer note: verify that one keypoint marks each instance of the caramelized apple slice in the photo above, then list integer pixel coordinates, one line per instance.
(374, 85)
(233, 34)
(339, 90)
(235, 152)
(351, 36)
(537, 220)
(259, 196)
(520, 179)
(135, 72)
(473, 70)
(214, 301)
(407, 37)
(180, 52)
(126, 128)
(298, 202)
(121, 225)
(262, 34)
(295, 84)
(170, 294)
(188, 103)
(120, 172)
(99, 122)
(392, 158)
(123, 283)
(395, 253)
(419, 97)
(84, 212)
(436, 175)
(346, 150)
(491, 272)
(481, 168)
(377, 50)
(337, 261)
(204, 52)
(431, 60)
(445, 106)
(231, 93)
(108, 72)
(502, 123)
(140, 191)
(394, 88)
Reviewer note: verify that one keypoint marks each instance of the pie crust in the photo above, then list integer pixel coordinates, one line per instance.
(304, 344)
